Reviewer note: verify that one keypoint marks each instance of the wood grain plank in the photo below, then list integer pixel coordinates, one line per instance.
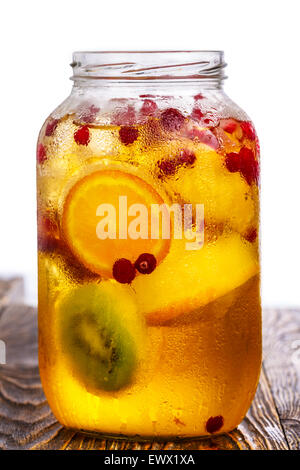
(26, 421)
(25, 417)
(282, 363)
(261, 428)
(11, 290)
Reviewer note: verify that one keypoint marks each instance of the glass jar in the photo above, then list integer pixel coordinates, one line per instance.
(148, 214)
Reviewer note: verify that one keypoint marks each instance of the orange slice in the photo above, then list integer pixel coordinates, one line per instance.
(97, 196)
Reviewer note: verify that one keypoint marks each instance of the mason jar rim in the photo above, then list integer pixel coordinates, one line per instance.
(149, 65)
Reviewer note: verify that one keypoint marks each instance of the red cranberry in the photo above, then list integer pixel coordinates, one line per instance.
(228, 125)
(172, 120)
(47, 243)
(249, 167)
(197, 114)
(257, 146)
(47, 225)
(41, 153)
(125, 117)
(50, 128)
(251, 235)
(48, 233)
(89, 114)
(206, 137)
(214, 424)
(148, 108)
(248, 130)
(123, 271)
(232, 162)
(146, 263)
(128, 134)
(186, 157)
(167, 167)
(82, 135)
(148, 96)
(198, 97)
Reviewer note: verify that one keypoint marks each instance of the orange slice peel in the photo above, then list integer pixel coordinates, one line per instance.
(112, 194)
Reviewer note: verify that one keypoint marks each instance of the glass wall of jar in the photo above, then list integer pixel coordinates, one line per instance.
(148, 217)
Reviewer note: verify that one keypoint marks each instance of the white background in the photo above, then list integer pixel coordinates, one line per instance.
(261, 43)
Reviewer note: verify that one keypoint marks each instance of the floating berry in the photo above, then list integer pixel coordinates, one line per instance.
(186, 157)
(47, 225)
(251, 235)
(146, 263)
(41, 153)
(245, 163)
(47, 244)
(197, 114)
(123, 271)
(128, 134)
(214, 424)
(232, 162)
(148, 96)
(249, 166)
(148, 108)
(198, 97)
(167, 167)
(82, 135)
(124, 116)
(248, 130)
(48, 233)
(51, 126)
(228, 125)
(257, 146)
(205, 136)
(89, 114)
(172, 120)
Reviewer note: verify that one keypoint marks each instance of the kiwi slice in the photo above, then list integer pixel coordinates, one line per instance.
(100, 333)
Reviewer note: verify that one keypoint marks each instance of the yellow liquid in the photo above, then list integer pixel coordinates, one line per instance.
(204, 365)
(202, 362)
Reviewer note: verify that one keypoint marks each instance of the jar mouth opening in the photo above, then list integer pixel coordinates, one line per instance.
(148, 65)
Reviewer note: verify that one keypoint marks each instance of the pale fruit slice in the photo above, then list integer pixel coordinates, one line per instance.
(187, 280)
(214, 311)
(227, 197)
(115, 191)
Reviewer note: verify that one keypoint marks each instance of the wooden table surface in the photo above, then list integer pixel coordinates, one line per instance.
(26, 422)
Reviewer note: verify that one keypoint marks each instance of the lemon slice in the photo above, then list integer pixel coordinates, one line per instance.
(187, 280)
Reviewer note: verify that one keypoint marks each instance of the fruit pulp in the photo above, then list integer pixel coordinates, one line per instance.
(142, 336)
